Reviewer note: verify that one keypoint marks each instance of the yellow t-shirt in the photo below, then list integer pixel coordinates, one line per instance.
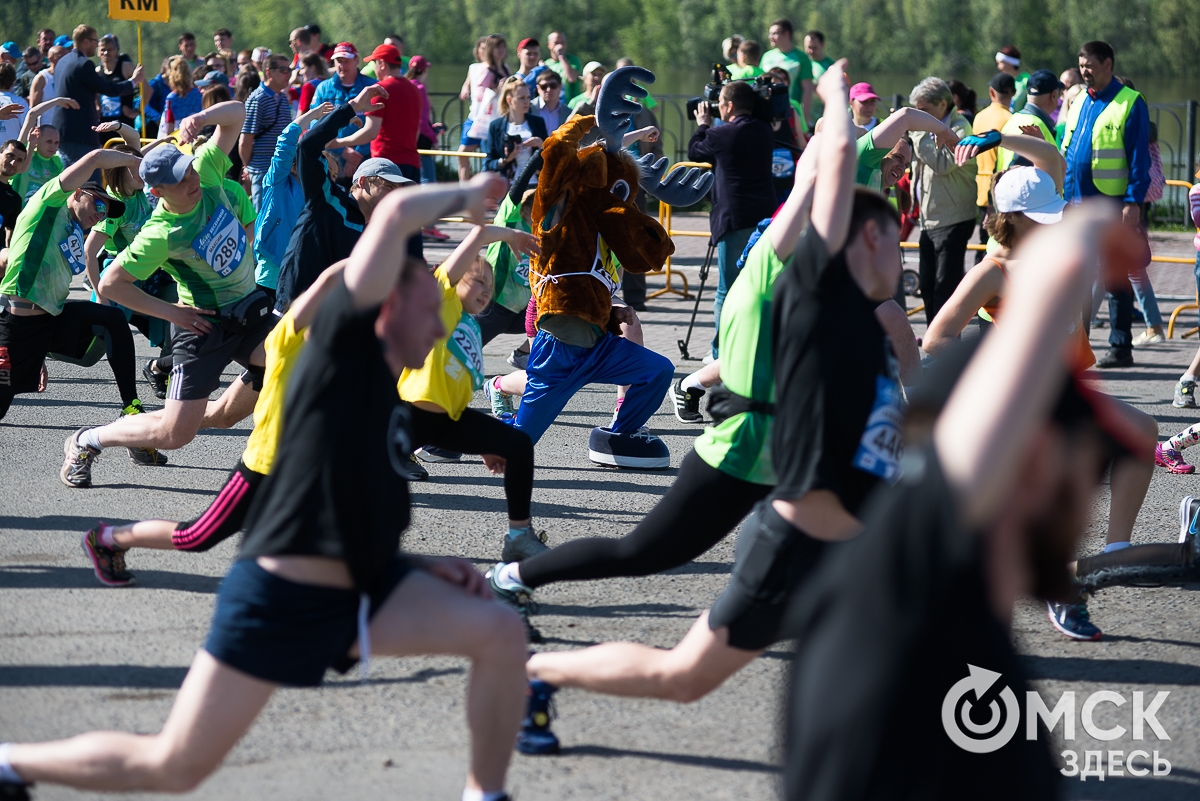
(453, 370)
(283, 346)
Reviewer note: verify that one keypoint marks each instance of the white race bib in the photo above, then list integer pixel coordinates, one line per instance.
(72, 250)
(222, 243)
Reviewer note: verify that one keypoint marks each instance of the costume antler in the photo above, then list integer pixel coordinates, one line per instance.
(615, 109)
(681, 188)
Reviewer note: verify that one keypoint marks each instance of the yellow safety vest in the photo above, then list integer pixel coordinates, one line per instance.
(1110, 170)
(1004, 156)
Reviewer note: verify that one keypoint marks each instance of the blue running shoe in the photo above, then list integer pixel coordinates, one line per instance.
(535, 737)
(640, 449)
(1189, 507)
(1072, 620)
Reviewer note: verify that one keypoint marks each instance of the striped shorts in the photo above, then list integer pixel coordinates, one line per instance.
(224, 516)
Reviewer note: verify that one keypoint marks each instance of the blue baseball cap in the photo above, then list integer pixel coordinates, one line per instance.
(165, 165)
(64, 41)
(1043, 82)
(12, 50)
(216, 76)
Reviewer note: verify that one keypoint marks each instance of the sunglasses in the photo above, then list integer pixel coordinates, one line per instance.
(100, 206)
(545, 87)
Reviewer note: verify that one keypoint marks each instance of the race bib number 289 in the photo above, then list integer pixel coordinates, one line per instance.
(222, 243)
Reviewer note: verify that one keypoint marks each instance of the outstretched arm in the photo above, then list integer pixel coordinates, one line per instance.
(1007, 389)
(304, 308)
(887, 133)
(127, 134)
(978, 286)
(1043, 155)
(228, 117)
(373, 266)
(364, 135)
(78, 173)
(480, 236)
(36, 112)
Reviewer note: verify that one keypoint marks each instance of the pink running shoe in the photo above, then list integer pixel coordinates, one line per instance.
(1171, 459)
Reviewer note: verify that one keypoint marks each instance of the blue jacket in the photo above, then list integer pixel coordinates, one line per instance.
(497, 131)
(282, 201)
(1078, 183)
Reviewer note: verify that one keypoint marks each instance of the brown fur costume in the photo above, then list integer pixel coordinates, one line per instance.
(584, 214)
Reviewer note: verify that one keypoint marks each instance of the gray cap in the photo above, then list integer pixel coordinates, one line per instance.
(381, 168)
(165, 165)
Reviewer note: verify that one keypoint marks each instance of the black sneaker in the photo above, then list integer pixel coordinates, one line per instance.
(434, 455)
(1189, 507)
(535, 737)
(107, 563)
(520, 600)
(14, 791)
(1185, 395)
(686, 402)
(157, 381)
(413, 471)
(76, 471)
(528, 543)
(1115, 358)
(641, 449)
(147, 457)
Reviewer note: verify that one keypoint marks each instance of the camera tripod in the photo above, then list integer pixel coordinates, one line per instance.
(683, 343)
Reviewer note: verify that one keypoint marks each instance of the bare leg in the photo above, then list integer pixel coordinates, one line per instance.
(235, 405)
(172, 427)
(426, 615)
(464, 164)
(699, 664)
(146, 534)
(514, 383)
(1194, 367)
(214, 708)
(1129, 482)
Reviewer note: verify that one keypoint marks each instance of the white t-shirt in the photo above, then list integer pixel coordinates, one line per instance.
(10, 129)
(523, 154)
(50, 116)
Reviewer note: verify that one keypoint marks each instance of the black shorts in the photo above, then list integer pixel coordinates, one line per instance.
(198, 360)
(772, 559)
(289, 633)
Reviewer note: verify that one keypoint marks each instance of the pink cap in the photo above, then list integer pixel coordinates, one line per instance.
(862, 91)
(345, 50)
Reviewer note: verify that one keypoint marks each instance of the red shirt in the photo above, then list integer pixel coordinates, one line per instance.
(401, 119)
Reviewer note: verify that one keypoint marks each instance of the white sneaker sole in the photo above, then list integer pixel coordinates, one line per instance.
(430, 458)
(679, 412)
(1184, 521)
(636, 462)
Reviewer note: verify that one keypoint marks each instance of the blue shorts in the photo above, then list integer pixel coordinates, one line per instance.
(469, 140)
(288, 633)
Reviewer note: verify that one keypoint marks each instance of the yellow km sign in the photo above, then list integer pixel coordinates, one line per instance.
(140, 10)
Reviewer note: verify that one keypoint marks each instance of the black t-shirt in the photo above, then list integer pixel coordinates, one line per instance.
(10, 208)
(740, 151)
(336, 489)
(108, 105)
(838, 402)
(885, 628)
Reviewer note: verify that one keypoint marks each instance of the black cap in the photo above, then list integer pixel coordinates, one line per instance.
(1003, 83)
(116, 207)
(1043, 82)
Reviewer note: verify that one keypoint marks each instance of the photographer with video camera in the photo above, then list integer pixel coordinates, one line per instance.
(743, 193)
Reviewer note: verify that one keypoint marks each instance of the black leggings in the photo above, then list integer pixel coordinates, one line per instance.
(478, 433)
(81, 334)
(702, 506)
(496, 320)
(1159, 563)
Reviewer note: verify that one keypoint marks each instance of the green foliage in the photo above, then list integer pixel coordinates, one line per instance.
(1152, 37)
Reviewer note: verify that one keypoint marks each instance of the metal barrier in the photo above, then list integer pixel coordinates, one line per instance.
(664, 219)
(1177, 260)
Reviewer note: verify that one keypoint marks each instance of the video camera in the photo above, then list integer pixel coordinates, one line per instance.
(771, 102)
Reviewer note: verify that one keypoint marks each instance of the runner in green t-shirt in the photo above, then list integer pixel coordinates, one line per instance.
(45, 253)
(42, 162)
(784, 53)
(568, 67)
(198, 235)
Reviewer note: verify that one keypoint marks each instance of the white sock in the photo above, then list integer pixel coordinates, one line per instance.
(692, 381)
(480, 795)
(106, 537)
(1187, 377)
(1116, 546)
(91, 439)
(7, 773)
(509, 577)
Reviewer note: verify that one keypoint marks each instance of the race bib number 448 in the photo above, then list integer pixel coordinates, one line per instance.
(882, 445)
(222, 243)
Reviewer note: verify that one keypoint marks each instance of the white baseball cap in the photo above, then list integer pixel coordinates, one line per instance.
(1031, 191)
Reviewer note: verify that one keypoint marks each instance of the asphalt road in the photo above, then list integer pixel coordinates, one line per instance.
(76, 656)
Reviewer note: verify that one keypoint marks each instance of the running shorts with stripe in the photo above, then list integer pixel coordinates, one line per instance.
(224, 516)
